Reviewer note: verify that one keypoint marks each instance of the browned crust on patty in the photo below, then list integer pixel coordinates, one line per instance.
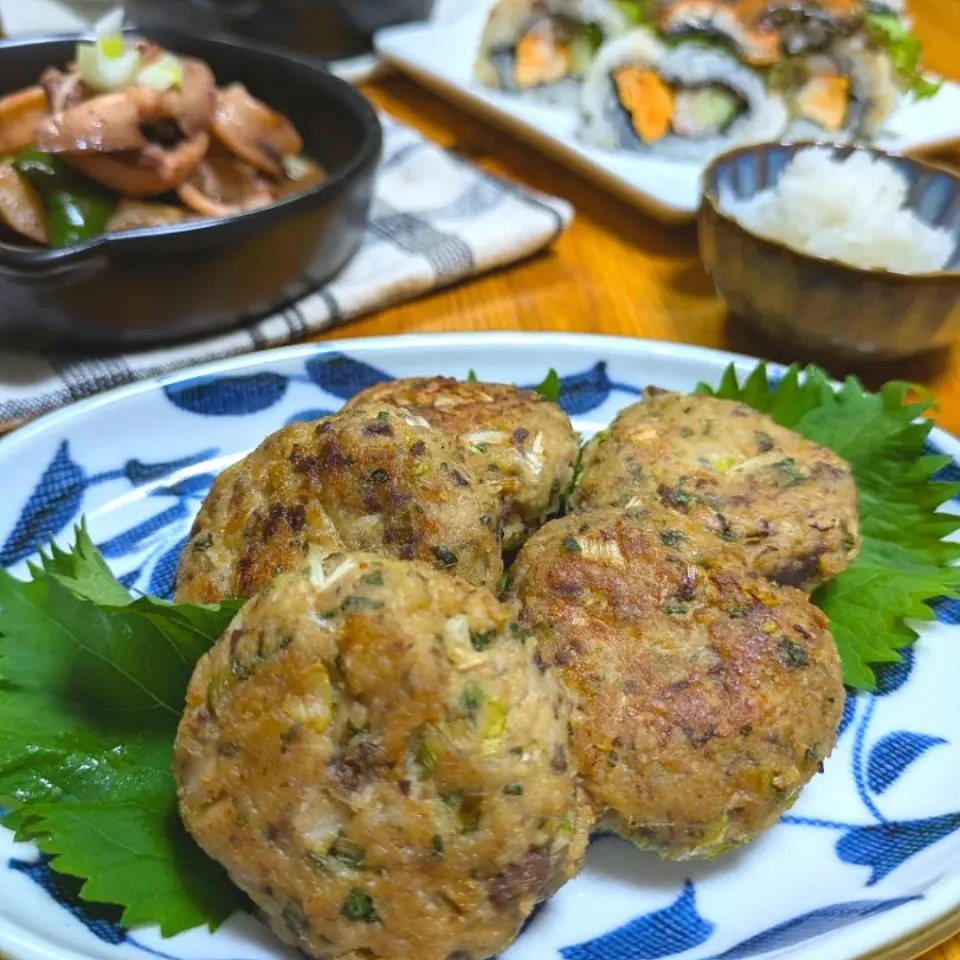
(374, 753)
(516, 441)
(788, 506)
(360, 480)
(705, 696)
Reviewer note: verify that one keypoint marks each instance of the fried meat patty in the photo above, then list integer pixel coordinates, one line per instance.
(378, 757)
(516, 441)
(705, 696)
(788, 506)
(364, 479)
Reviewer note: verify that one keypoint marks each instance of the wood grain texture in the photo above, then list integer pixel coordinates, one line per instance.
(617, 271)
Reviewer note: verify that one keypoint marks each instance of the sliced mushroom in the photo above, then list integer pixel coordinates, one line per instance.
(137, 214)
(20, 206)
(248, 128)
(221, 186)
(20, 115)
(143, 173)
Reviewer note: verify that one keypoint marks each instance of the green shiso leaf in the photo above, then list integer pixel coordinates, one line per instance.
(92, 686)
(904, 562)
(549, 388)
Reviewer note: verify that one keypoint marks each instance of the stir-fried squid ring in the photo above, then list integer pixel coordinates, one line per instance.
(115, 122)
(248, 128)
(20, 113)
(193, 102)
(147, 172)
(141, 122)
(221, 185)
(106, 124)
(63, 90)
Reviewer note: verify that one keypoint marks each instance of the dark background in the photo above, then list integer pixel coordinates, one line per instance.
(331, 29)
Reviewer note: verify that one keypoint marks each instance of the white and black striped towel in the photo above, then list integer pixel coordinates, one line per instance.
(436, 220)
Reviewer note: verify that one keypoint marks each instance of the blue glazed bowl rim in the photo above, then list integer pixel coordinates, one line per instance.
(708, 196)
(306, 73)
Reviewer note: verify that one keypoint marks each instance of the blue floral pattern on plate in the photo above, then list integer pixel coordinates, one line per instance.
(873, 837)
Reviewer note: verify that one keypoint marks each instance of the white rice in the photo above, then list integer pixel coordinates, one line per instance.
(851, 209)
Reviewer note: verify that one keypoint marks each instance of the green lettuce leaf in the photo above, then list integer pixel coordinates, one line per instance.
(904, 51)
(638, 13)
(904, 562)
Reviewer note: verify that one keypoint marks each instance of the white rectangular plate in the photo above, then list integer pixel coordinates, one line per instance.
(441, 55)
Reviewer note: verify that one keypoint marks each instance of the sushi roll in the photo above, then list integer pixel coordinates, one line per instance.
(686, 102)
(542, 49)
(843, 94)
(889, 29)
(846, 89)
(719, 22)
(804, 25)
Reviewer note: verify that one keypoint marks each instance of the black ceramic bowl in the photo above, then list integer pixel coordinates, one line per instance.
(200, 276)
(327, 28)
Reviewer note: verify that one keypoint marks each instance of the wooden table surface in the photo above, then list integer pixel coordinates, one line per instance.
(616, 271)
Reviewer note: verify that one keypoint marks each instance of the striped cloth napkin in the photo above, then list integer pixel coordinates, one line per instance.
(436, 220)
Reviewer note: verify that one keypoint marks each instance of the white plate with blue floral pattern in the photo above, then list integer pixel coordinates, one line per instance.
(867, 862)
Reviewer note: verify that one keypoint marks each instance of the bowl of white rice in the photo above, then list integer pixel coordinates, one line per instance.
(835, 249)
